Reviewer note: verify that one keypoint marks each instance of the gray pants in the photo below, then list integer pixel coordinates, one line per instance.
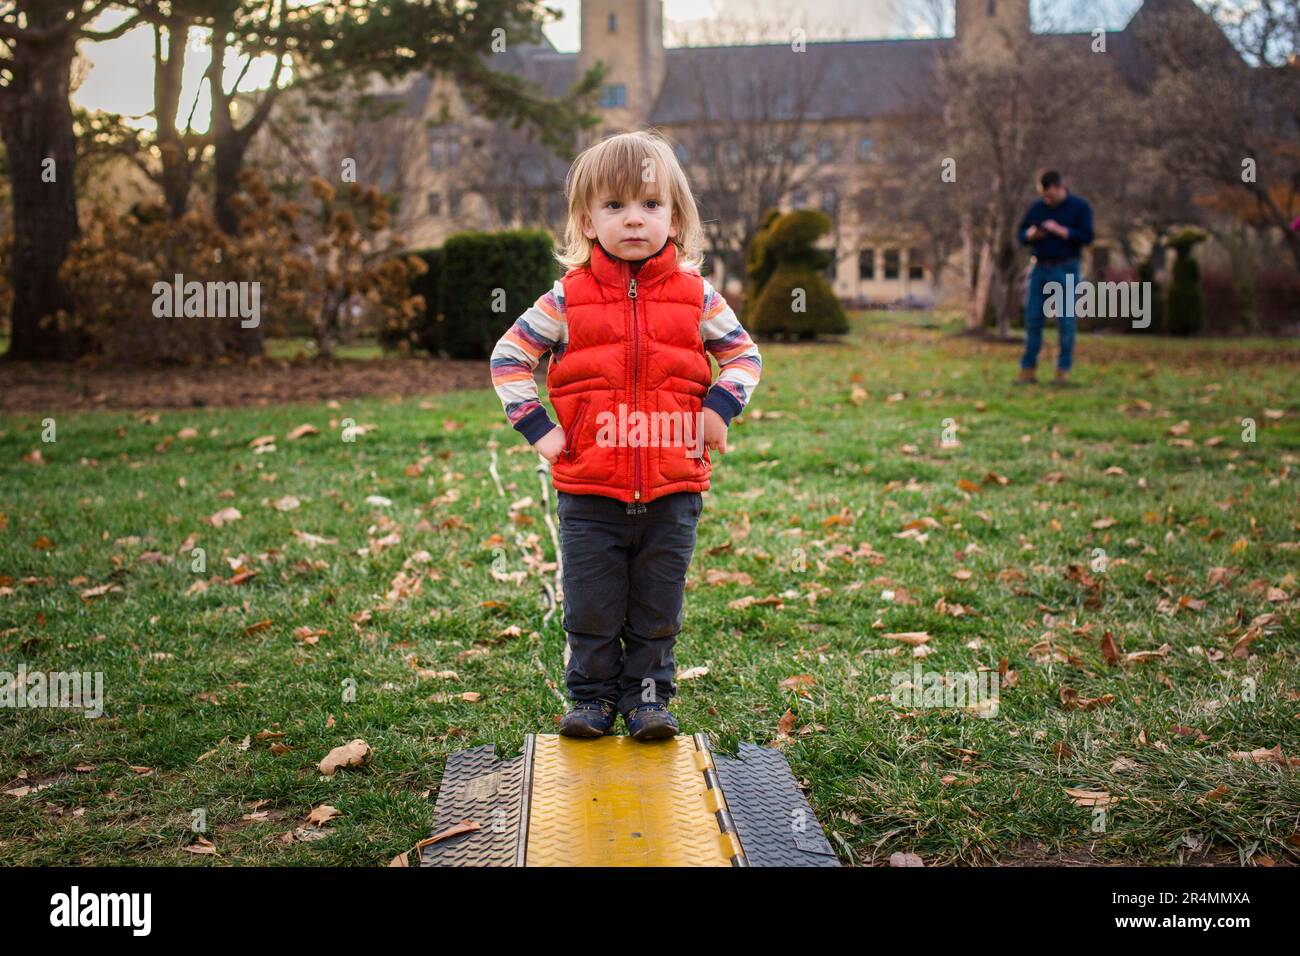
(624, 585)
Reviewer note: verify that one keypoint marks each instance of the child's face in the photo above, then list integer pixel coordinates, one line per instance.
(630, 228)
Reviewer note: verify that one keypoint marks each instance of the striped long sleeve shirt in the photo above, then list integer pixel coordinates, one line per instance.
(543, 328)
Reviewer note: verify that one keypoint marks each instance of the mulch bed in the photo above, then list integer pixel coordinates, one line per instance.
(51, 386)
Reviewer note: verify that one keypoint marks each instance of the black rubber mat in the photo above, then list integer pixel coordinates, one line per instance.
(775, 823)
(478, 787)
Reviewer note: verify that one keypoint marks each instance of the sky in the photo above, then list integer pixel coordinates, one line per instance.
(120, 77)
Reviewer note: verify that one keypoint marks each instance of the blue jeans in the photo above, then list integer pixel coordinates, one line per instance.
(1035, 317)
(624, 590)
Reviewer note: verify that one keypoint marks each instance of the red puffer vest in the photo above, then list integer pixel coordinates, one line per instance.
(634, 340)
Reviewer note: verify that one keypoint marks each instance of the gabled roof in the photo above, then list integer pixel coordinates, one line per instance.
(833, 80)
(847, 79)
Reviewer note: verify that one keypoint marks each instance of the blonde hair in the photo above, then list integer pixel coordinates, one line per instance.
(613, 167)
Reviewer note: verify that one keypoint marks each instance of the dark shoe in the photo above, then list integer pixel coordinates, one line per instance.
(1028, 376)
(650, 722)
(589, 718)
(1062, 379)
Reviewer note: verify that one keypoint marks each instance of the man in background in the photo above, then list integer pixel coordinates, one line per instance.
(1057, 226)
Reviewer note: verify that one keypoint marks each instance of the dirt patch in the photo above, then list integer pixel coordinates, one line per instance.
(51, 386)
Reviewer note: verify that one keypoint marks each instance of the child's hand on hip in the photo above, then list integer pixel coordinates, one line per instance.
(715, 432)
(550, 445)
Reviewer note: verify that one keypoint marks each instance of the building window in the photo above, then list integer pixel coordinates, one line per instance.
(435, 204)
(993, 8)
(891, 263)
(683, 154)
(436, 155)
(867, 264)
(613, 95)
(771, 154)
(613, 23)
(453, 151)
(865, 146)
(830, 201)
(731, 154)
(915, 268)
(826, 151)
(797, 151)
(799, 198)
(453, 202)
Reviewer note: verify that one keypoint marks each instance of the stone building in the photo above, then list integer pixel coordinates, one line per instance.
(455, 170)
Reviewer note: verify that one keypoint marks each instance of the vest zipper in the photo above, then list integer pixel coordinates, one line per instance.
(636, 506)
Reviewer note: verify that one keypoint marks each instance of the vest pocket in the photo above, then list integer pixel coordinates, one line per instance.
(582, 459)
(676, 461)
(571, 435)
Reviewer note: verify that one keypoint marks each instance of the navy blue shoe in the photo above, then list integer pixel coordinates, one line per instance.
(589, 718)
(650, 722)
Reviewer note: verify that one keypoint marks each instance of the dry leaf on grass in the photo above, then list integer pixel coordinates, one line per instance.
(322, 815)
(1071, 700)
(1092, 798)
(905, 859)
(913, 638)
(225, 516)
(352, 754)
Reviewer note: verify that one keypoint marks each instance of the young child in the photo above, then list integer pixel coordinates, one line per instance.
(630, 328)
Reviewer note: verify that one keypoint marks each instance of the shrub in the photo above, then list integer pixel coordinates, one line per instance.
(426, 329)
(796, 300)
(1186, 304)
(316, 265)
(488, 280)
(758, 263)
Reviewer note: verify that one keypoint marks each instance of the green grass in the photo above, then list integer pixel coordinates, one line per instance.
(183, 677)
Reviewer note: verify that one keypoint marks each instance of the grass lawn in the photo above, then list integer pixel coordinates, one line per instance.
(840, 454)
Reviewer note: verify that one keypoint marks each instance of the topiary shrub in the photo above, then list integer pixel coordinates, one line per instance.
(1186, 312)
(488, 280)
(795, 299)
(758, 264)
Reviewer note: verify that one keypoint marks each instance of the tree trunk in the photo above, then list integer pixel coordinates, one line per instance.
(228, 159)
(978, 296)
(36, 123)
(1008, 287)
(169, 71)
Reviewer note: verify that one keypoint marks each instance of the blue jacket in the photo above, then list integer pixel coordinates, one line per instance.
(1073, 213)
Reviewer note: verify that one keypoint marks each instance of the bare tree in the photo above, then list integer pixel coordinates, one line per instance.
(1252, 147)
(756, 130)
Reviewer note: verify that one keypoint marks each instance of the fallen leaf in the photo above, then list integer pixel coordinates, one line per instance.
(322, 815)
(913, 638)
(1091, 798)
(225, 516)
(352, 754)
